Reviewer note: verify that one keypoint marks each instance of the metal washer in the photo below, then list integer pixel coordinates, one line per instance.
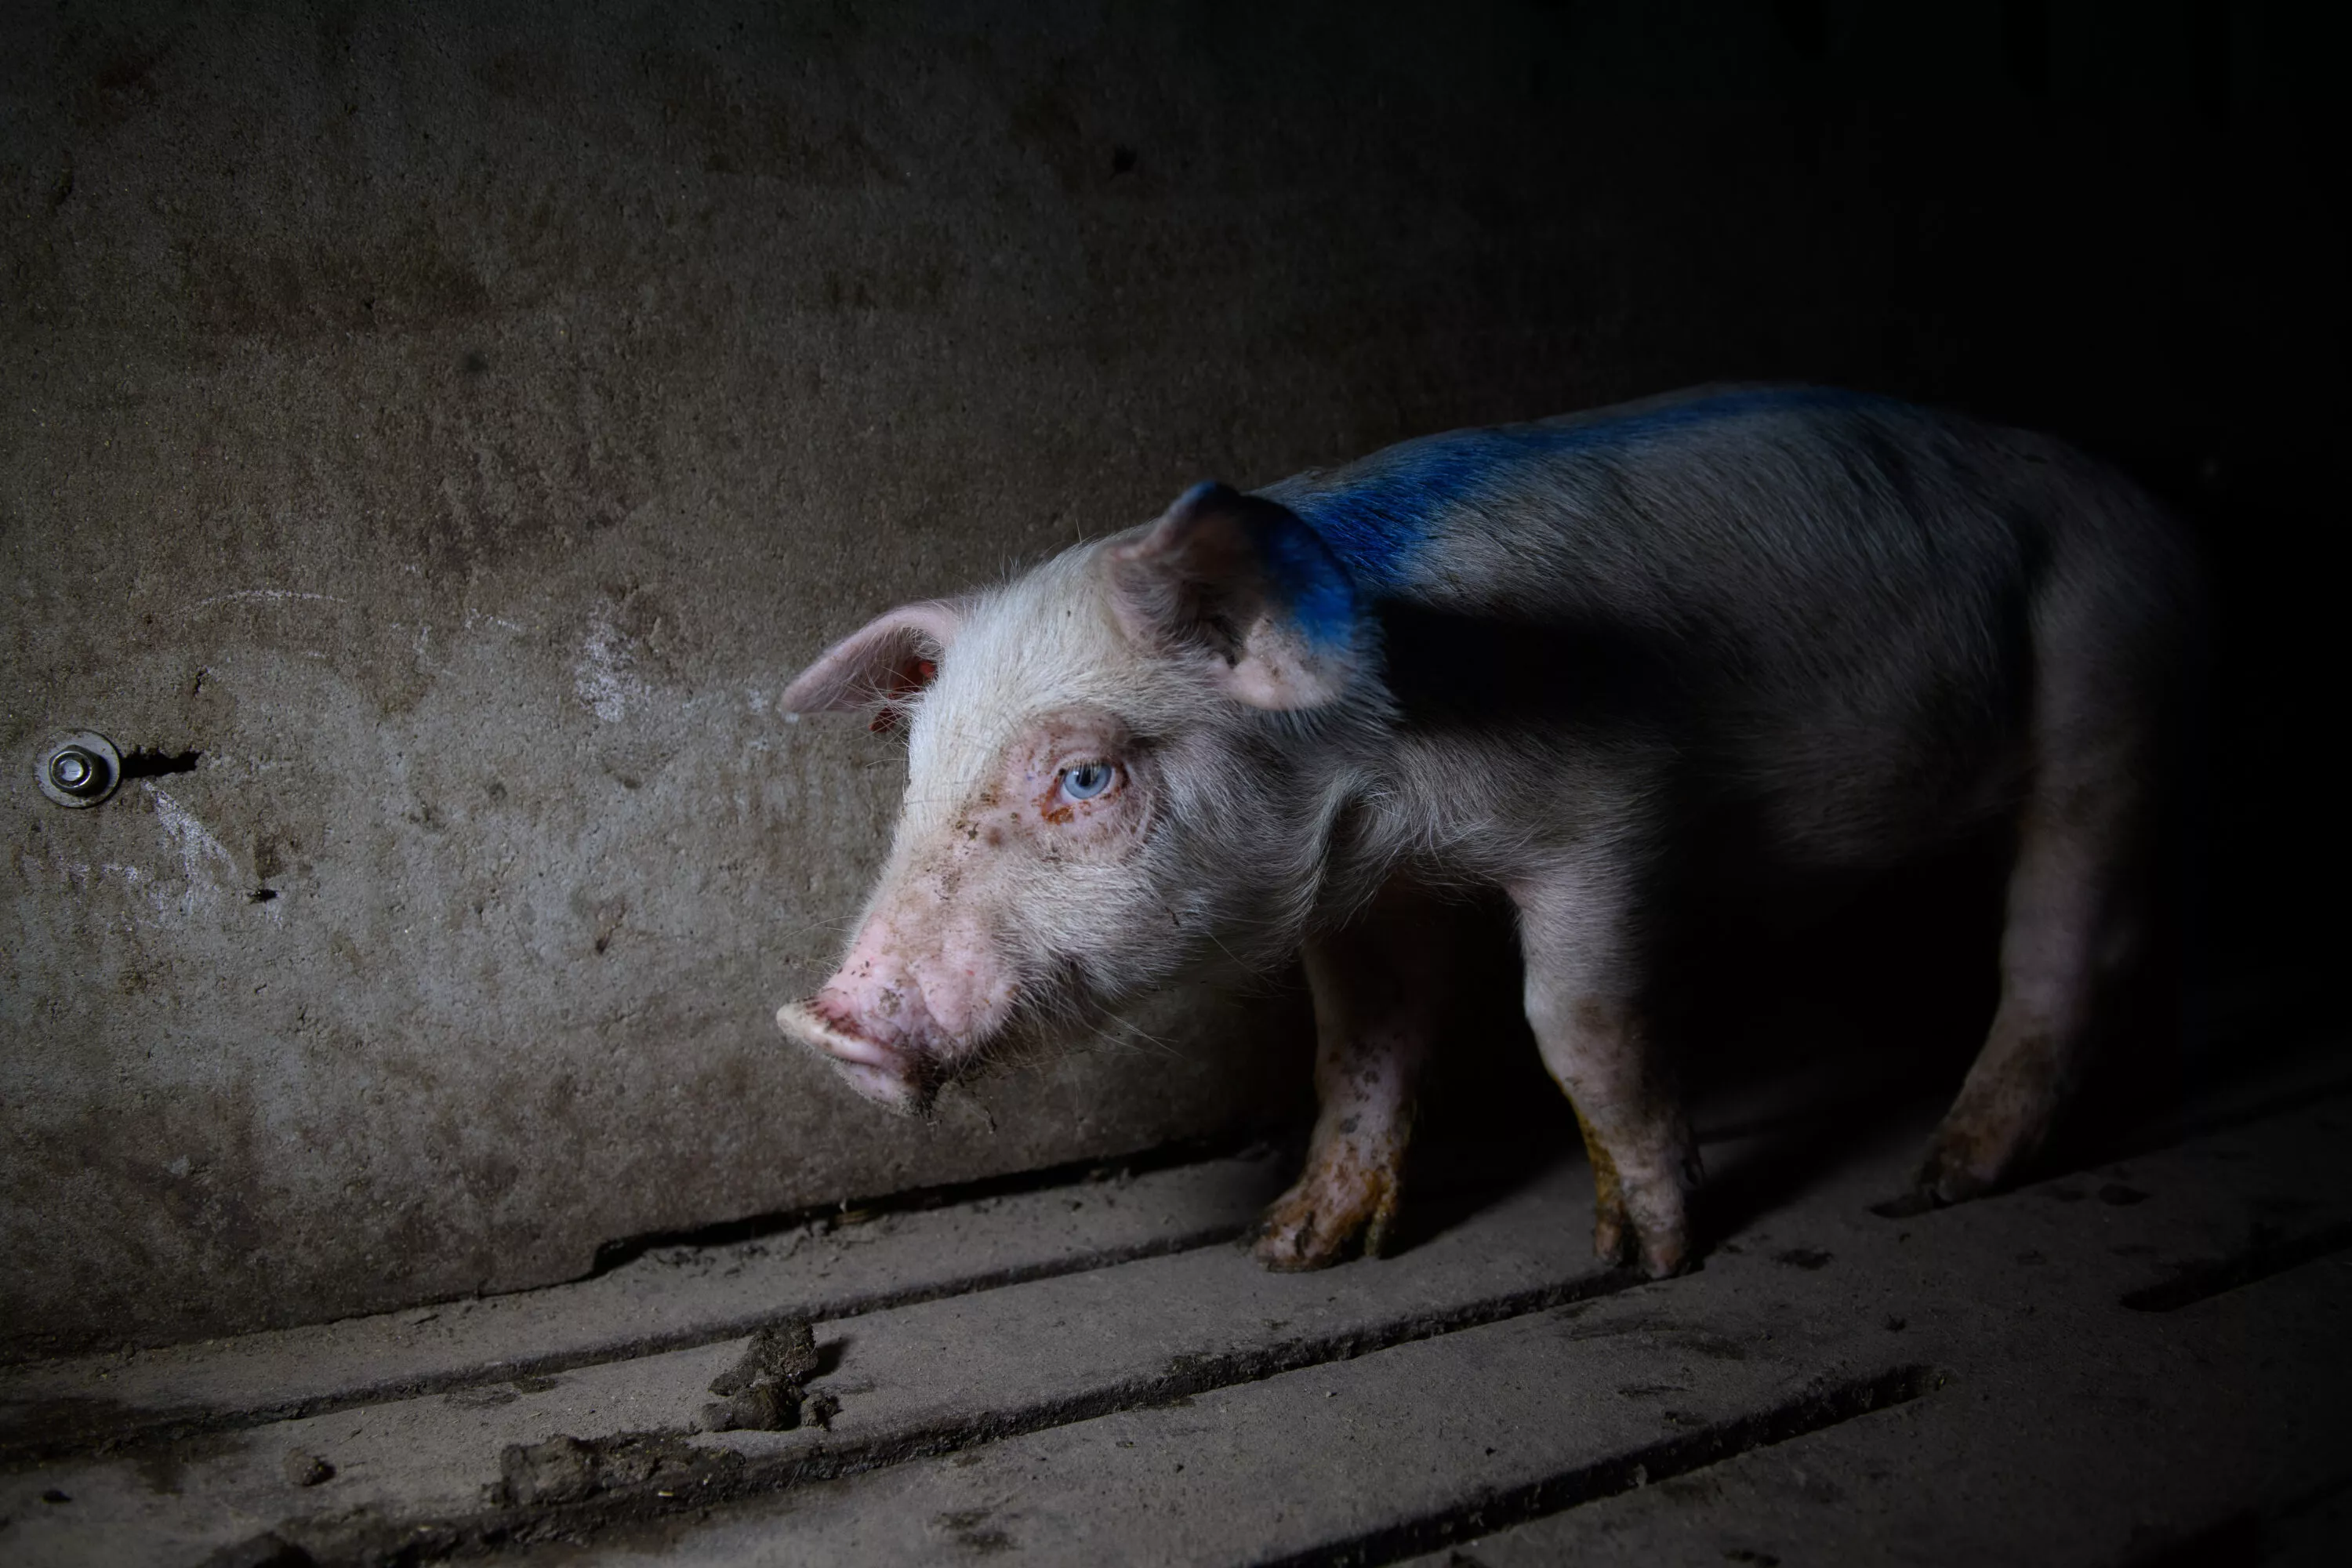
(87, 745)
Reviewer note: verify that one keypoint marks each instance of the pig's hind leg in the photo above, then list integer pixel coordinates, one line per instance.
(2074, 921)
(1584, 1001)
(2105, 659)
(1379, 988)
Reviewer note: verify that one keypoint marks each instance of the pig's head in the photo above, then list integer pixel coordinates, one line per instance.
(1108, 781)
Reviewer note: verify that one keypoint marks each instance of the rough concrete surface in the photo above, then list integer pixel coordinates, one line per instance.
(2130, 1359)
(430, 435)
(836, 1266)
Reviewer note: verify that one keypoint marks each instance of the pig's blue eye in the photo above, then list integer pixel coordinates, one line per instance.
(1087, 780)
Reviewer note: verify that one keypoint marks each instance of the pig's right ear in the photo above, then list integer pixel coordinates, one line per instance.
(1242, 584)
(892, 656)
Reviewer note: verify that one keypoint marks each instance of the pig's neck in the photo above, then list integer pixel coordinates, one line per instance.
(1368, 824)
(1443, 808)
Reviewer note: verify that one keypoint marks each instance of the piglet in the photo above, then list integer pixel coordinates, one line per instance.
(1836, 630)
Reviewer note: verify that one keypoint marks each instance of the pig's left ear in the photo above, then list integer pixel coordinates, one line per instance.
(893, 655)
(1242, 581)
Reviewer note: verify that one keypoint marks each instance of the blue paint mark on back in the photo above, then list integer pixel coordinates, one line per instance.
(1385, 506)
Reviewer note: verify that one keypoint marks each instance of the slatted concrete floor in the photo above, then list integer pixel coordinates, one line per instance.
(2140, 1361)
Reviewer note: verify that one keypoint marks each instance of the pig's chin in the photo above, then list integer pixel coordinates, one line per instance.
(897, 1080)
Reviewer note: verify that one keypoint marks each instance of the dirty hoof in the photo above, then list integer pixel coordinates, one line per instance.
(1619, 1244)
(1293, 1248)
(1946, 1175)
(1663, 1258)
(1613, 1237)
(1655, 1251)
(1319, 1222)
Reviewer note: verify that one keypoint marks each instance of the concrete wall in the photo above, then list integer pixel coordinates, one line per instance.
(453, 424)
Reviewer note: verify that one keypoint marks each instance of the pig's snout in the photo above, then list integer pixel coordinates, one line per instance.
(896, 1026)
(889, 1075)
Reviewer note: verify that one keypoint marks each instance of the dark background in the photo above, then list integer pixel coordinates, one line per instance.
(453, 423)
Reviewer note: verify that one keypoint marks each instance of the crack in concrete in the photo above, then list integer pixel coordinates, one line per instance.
(1169, 1156)
(1813, 1412)
(2268, 1252)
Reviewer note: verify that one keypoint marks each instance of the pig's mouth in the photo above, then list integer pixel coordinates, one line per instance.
(886, 1075)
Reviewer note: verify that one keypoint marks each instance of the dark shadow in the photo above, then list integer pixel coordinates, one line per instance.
(1489, 1120)
(1450, 671)
(147, 763)
(1804, 1041)
(1796, 1044)
(1801, 1045)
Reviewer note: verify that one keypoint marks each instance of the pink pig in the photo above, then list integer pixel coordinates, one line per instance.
(1540, 659)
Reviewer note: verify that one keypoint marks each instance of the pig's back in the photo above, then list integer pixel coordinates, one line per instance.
(1828, 598)
(1722, 507)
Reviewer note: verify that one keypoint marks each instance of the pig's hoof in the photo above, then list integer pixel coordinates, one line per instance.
(1313, 1225)
(1656, 1256)
(1612, 1237)
(1948, 1176)
(1657, 1250)
(1663, 1256)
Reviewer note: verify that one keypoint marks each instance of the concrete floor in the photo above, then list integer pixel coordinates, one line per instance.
(2134, 1361)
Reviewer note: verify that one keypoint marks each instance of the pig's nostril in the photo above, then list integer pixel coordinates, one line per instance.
(836, 1032)
(879, 1072)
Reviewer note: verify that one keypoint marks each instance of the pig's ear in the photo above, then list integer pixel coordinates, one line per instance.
(893, 655)
(1242, 581)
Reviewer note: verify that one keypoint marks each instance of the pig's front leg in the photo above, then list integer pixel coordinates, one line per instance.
(1583, 988)
(1379, 989)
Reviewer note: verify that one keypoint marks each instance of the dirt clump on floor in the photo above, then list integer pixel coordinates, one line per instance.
(304, 1469)
(766, 1390)
(574, 1469)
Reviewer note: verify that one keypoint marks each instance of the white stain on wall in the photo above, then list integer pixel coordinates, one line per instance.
(606, 676)
(261, 597)
(205, 863)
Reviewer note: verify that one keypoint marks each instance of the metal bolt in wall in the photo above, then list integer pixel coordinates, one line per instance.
(79, 769)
